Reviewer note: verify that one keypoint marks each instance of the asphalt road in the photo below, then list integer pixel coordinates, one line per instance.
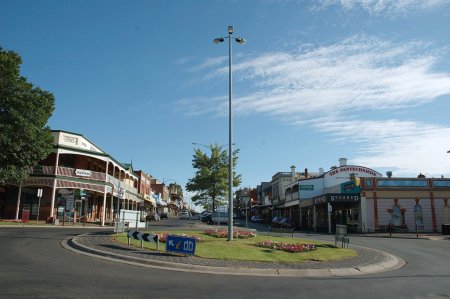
(34, 265)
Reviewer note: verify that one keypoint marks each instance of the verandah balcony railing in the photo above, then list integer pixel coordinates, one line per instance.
(67, 171)
(116, 182)
(81, 173)
(37, 170)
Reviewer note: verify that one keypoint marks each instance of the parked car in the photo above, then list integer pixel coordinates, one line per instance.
(276, 221)
(286, 223)
(152, 217)
(195, 216)
(256, 219)
(164, 216)
(206, 217)
(185, 215)
(220, 217)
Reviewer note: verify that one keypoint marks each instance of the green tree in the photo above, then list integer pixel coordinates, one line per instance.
(211, 178)
(24, 112)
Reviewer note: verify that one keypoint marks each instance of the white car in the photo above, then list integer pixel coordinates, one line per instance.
(220, 217)
(185, 215)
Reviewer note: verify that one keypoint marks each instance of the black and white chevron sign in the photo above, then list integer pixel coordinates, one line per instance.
(143, 236)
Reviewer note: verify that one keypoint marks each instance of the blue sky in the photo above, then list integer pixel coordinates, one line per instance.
(368, 80)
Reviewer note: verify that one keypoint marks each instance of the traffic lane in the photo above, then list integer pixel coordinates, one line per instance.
(53, 272)
(425, 257)
(117, 280)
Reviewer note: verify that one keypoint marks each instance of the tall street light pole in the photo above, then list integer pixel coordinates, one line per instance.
(239, 40)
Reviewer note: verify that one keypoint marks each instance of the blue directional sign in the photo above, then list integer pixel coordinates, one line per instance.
(183, 245)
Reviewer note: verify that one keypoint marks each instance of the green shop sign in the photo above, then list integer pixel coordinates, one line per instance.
(306, 187)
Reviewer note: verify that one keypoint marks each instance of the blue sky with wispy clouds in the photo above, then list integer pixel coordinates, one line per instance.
(368, 80)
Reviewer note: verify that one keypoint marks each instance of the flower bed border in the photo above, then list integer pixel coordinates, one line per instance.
(221, 233)
(288, 247)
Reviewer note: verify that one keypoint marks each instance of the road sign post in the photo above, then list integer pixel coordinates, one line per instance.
(181, 245)
(39, 195)
(143, 237)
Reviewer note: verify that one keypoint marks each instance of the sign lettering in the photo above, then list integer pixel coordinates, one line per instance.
(83, 172)
(353, 169)
(183, 245)
(343, 198)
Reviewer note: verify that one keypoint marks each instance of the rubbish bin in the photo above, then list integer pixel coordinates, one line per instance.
(446, 229)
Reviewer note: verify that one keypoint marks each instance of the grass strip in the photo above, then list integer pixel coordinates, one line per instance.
(245, 249)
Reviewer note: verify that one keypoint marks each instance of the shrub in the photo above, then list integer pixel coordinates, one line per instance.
(163, 237)
(297, 247)
(224, 234)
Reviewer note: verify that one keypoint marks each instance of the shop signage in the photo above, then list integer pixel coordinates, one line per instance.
(320, 200)
(349, 187)
(69, 201)
(343, 197)
(306, 187)
(349, 169)
(83, 172)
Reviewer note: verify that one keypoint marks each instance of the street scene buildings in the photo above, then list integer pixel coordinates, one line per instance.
(81, 182)
(80, 178)
(355, 196)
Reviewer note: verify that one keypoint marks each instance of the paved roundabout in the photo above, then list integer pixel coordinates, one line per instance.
(103, 246)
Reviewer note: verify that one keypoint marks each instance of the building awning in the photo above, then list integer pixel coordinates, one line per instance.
(288, 204)
(261, 206)
(151, 200)
(162, 203)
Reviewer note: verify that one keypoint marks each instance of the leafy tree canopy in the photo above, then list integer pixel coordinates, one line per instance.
(211, 177)
(24, 111)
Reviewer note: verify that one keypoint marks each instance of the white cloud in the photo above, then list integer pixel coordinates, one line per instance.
(320, 87)
(202, 105)
(387, 7)
(406, 147)
(358, 74)
(418, 148)
(210, 62)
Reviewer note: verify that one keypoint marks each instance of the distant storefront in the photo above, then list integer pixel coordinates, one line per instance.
(406, 203)
(365, 201)
(333, 198)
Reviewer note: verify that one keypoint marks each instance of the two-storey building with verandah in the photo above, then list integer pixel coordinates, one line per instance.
(77, 176)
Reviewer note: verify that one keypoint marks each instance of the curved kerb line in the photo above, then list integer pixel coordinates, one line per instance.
(392, 263)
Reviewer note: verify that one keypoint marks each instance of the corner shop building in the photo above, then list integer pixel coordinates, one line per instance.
(78, 176)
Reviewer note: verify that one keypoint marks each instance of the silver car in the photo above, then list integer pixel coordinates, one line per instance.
(185, 215)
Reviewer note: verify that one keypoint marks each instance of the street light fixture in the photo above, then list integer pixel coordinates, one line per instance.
(241, 41)
(196, 144)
